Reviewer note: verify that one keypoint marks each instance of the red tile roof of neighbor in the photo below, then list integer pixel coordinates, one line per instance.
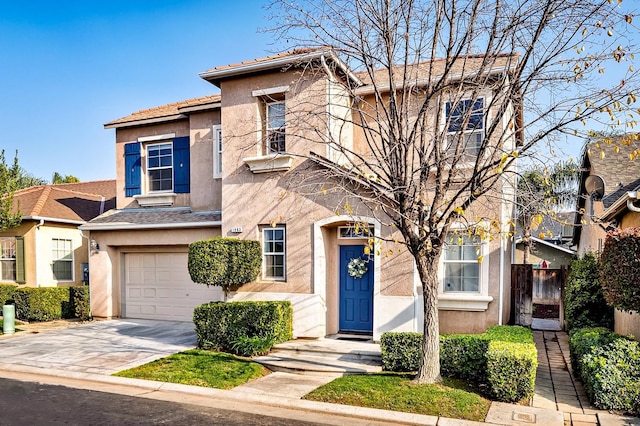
(165, 110)
(76, 202)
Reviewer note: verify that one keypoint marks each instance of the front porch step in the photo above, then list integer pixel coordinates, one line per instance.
(323, 356)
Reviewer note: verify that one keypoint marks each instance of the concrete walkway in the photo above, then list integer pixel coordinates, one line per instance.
(558, 389)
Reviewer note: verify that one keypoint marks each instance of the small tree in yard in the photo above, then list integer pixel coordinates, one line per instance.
(224, 262)
(584, 302)
(446, 83)
(620, 269)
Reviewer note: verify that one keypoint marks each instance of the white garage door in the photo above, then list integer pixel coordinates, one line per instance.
(158, 286)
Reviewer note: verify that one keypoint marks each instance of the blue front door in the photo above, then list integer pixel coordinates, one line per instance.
(356, 294)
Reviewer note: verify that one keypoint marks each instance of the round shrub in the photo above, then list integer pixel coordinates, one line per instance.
(620, 269)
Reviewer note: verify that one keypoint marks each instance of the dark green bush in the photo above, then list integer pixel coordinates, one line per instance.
(252, 346)
(612, 375)
(51, 303)
(6, 293)
(464, 356)
(583, 341)
(224, 261)
(220, 326)
(79, 297)
(584, 302)
(504, 358)
(620, 269)
(401, 351)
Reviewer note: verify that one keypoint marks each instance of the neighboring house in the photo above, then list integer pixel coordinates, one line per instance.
(231, 165)
(609, 198)
(549, 254)
(47, 249)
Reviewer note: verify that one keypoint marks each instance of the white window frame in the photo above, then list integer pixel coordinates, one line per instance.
(55, 253)
(7, 255)
(467, 134)
(279, 131)
(266, 253)
(217, 151)
(149, 169)
(349, 232)
(466, 300)
(474, 261)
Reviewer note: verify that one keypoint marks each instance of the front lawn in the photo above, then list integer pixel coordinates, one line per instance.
(389, 391)
(199, 368)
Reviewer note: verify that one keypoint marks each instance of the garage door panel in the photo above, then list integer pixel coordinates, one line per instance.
(158, 286)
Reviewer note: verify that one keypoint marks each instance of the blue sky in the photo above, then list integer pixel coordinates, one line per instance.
(70, 66)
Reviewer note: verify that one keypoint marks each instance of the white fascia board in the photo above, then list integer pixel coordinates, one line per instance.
(154, 120)
(205, 107)
(53, 219)
(132, 226)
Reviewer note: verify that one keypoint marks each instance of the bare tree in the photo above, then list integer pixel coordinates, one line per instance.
(446, 95)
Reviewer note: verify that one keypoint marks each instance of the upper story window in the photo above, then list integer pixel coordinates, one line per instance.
(62, 259)
(8, 259)
(275, 127)
(157, 164)
(160, 167)
(274, 253)
(217, 151)
(471, 134)
(462, 271)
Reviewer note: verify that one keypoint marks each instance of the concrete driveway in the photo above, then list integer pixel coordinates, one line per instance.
(101, 347)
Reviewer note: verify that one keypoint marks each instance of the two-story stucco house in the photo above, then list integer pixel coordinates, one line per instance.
(235, 165)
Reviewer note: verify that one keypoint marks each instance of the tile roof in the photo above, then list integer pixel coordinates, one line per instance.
(163, 111)
(281, 55)
(614, 160)
(74, 202)
(149, 218)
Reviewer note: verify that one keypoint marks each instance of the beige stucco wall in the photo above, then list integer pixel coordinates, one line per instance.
(105, 267)
(38, 251)
(592, 235)
(204, 189)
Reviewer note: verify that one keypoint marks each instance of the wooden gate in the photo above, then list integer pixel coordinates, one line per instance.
(521, 295)
(542, 287)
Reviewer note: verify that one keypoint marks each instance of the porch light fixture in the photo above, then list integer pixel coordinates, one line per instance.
(95, 247)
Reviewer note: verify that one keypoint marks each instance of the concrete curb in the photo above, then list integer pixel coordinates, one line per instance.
(363, 413)
(499, 413)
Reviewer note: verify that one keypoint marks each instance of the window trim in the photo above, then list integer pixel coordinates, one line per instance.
(217, 151)
(277, 131)
(147, 148)
(266, 253)
(468, 133)
(461, 300)
(54, 259)
(479, 252)
(13, 259)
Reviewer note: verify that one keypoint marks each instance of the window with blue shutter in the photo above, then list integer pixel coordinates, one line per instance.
(181, 165)
(132, 165)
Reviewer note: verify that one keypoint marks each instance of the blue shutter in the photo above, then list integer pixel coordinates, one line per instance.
(132, 169)
(181, 165)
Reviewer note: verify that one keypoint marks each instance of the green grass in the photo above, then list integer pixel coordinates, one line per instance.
(389, 391)
(199, 368)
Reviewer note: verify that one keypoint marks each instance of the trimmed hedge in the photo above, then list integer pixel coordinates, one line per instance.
(620, 269)
(585, 305)
(6, 293)
(401, 351)
(609, 366)
(243, 328)
(224, 261)
(504, 358)
(51, 303)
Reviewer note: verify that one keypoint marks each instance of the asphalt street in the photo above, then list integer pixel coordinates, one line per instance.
(28, 403)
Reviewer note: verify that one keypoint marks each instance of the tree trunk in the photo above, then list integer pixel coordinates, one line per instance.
(429, 371)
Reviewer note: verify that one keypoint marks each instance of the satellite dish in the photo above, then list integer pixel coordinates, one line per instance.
(594, 185)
